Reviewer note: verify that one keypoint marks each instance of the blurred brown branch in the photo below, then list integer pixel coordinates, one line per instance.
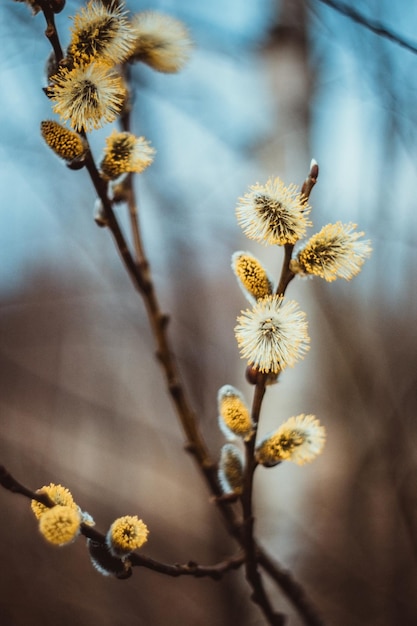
(373, 25)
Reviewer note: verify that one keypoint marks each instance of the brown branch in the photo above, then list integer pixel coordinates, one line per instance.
(253, 576)
(283, 578)
(51, 32)
(292, 589)
(141, 278)
(11, 484)
(134, 223)
(127, 185)
(113, 225)
(259, 595)
(140, 275)
(195, 443)
(286, 274)
(189, 569)
(310, 181)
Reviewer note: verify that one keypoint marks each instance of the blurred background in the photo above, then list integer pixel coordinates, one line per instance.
(269, 86)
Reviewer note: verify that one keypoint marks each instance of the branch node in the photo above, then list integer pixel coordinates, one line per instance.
(164, 320)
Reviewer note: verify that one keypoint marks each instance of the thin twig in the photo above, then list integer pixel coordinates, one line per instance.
(286, 274)
(195, 442)
(11, 484)
(120, 241)
(189, 569)
(139, 560)
(283, 578)
(253, 576)
(134, 223)
(372, 25)
(129, 194)
(292, 589)
(141, 279)
(51, 32)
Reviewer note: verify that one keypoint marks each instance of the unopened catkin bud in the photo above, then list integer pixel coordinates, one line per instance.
(231, 469)
(251, 275)
(234, 416)
(106, 563)
(64, 142)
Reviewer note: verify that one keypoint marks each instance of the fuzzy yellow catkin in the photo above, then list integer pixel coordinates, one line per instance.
(161, 41)
(273, 334)
(88, 96)
(58, 494)
(124, 152)
(273, 214)
(60, 525)
(126, 534)
(100, 31)
(300, 439)
(336, 251)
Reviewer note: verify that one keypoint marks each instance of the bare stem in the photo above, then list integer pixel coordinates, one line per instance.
(310, 181)
(189, 569)
(140, 276)
(51, 32)
(125, 123)
(253, 576)
(292, 589)
(119, 239)
(286, 274)
(11, 484)
(134, 223)
(373, 25)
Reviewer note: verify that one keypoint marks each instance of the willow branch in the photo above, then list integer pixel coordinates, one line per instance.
(11, 484)
(252, 573)
(189, 569)
(127, 185)
(51, 32)
(292, 589)
(195, 442)
(139, 560)
(282, 577)
(286, 274)
(141, 278)
(134, 223)
(253, 576)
